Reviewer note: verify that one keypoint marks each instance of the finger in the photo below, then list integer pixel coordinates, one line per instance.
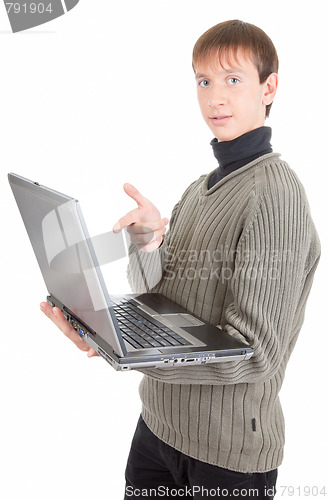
(153, 245)
(148, 242)
(147, 227)
(92, 353)
(66, 328)
(55, 315)
(135, 195)
(59, 320)
(145, 238)
(128, 219)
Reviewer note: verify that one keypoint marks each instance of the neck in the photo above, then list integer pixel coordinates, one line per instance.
(234, 154)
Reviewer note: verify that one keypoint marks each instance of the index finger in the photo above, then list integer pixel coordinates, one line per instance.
(135, 194)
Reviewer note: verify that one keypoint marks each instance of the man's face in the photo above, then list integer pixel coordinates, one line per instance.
(231, 98)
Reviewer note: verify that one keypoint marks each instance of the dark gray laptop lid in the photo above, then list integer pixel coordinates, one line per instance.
(64, 252)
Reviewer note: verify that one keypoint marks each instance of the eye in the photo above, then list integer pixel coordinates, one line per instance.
(232, 80)
(204, 83)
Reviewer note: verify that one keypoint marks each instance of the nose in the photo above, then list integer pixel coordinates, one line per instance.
(216, 98)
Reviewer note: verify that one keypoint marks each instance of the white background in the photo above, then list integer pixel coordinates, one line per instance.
(98, 97)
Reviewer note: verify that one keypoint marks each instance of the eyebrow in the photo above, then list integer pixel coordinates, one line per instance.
(225, 72)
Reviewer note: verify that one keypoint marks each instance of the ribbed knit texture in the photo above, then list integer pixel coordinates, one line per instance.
(241, 255)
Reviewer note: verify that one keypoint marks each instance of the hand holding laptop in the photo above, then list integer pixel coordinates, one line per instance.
(145, 225)
(60, 321)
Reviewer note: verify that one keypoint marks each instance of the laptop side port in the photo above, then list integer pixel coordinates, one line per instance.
(109, 360)
(77, 328)
(101, 352)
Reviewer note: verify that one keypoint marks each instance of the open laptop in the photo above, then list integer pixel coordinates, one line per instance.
(128, 331)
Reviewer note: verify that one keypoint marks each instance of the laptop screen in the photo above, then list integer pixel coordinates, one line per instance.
(66, 255)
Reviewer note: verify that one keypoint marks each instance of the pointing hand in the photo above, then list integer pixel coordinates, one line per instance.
(144, 224)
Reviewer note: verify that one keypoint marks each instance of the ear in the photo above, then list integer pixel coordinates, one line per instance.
(270, 88)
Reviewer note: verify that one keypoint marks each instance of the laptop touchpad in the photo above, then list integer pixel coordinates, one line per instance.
(182, 319)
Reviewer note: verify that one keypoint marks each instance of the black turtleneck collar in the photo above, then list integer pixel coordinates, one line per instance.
(234, 154)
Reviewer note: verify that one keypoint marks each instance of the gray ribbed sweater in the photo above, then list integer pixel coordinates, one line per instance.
(241, 255)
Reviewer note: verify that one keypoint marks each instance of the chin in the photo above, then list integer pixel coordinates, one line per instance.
(226, 136)
(223, 134)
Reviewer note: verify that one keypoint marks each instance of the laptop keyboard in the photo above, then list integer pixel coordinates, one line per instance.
(141, 330)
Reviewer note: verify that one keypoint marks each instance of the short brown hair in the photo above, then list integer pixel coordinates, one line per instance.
(226, 38)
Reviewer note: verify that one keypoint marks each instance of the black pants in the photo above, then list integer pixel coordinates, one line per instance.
(156, 470)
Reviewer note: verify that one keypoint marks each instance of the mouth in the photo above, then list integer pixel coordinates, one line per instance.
(219, 119)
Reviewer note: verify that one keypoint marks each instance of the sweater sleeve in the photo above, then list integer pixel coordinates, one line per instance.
(275, 261)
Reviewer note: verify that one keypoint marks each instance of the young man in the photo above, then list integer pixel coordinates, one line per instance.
(241, 253)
